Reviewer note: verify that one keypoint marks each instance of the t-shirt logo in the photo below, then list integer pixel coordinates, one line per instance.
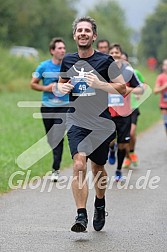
(81, 88)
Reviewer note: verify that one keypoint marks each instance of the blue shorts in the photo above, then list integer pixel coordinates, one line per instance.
(77, 134)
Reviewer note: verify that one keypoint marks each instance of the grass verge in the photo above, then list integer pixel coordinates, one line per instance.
(19, 130)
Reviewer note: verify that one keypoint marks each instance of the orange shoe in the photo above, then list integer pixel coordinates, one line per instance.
(134, 158)
(126, 163)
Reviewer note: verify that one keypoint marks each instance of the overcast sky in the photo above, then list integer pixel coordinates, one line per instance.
(136, 10)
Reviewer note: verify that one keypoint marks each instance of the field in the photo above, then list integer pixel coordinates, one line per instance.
(149, 109)
(19, 130)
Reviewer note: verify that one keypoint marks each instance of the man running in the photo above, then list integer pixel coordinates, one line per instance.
(89, 122)
(121, 112)
(161, 88)
(48, 72)
(103, 46)
(131, 156)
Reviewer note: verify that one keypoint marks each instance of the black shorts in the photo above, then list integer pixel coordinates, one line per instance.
(99, 155)
(163, 108)
(134, 116)
(123, 126)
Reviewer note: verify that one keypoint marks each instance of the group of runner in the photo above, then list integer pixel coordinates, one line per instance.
(126, 115)
(89, 94)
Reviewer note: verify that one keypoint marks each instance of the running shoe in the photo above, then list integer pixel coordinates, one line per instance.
(80, 224)
(111, 156)
(55, 176)
(118, 176)
(126, 163)
(99, 218)
(134, 158)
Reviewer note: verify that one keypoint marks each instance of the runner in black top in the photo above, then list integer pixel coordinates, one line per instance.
(90, 128)
(103, 46)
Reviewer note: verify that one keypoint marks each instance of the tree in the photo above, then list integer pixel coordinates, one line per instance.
(35, 22)
(154, 34)
(111, 23)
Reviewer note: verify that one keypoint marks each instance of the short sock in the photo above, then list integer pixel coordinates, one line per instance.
(113, 147)
(82, 210)
(99, 202)
(118, 173)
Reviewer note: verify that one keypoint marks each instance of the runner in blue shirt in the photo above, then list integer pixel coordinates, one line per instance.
(48, 71)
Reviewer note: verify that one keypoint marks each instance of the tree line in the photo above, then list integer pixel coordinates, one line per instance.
(35, 22)
(154, 34)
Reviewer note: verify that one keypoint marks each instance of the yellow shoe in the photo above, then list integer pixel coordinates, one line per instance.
(126, 163)
(134, 158)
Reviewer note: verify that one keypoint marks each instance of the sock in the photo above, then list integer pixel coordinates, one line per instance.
(131, 151)
(120, 158)
(82, 210)
(99, 202)
(112, 148)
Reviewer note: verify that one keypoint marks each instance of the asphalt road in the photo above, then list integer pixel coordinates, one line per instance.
(31, 220)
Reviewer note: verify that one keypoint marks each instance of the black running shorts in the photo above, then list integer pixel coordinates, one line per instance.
(134, 116)
(99, 155)
(123, 126)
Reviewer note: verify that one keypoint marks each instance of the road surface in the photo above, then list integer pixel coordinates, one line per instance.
(31, 220)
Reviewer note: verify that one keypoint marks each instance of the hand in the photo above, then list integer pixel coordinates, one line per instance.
(65, 88)
(93, 81)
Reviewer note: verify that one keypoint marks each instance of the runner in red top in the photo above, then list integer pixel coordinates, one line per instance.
(161, 88)
(120, 108)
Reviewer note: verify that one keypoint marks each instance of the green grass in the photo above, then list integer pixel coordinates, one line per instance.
(16, 71)
(18, 129)
(18, 132)
(149, 109)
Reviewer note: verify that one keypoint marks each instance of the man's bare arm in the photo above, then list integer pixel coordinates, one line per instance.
(35, 84)
(117, 86)
(159, 89)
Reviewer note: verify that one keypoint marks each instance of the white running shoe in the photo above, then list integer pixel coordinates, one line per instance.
(55, 176)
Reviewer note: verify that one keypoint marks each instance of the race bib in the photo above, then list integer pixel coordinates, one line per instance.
(115, 100)
(81, 88)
